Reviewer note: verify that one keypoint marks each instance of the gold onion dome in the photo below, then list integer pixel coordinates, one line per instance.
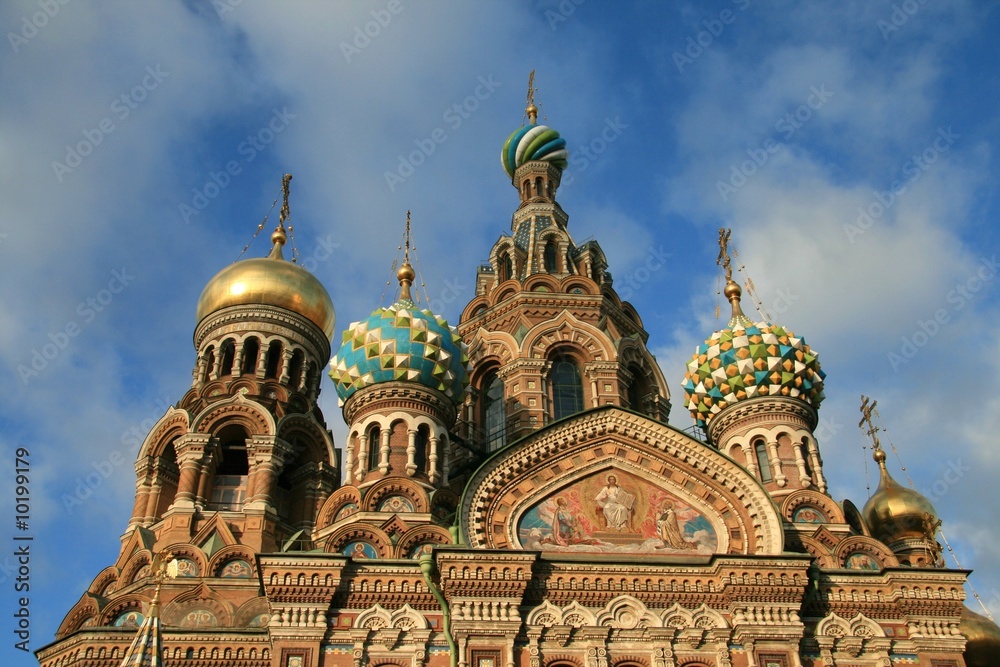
(983, 646)
(745, 360)
(269, 281)
(895, 512)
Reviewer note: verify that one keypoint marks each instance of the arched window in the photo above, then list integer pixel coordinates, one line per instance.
(228, 355)
(273, 359)
(295, 369)
(567, 387)
(420, 447)
(494, 412)
(760, 449)
(209, 363)
(549, 256)
(230, 481)
(251, 350)
(374, 444)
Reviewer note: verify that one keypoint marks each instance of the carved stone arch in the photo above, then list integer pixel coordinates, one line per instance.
(611, 295)
(834, 626)
(707, 618)
(550, 283)
(808, 497)
(384, 488)
(498, 345)
(631, 352)
(135, 563)
(585, 284)
(254, 417)
(183, 610)
(418, 536)
(83, 611)
(864, 627)
(563, 660)
(504, 291)
(565, 330)
(317, 441)
(821, 552)
(473, 308)
(631, 313)
(191, 553)
(630, 660)
(175, 422)
(374, 618)
(106, 577)
(356, 532)
(545, 615)
(506, 245)
(626, 613)
(274, 390)
(576, 615)
(677, 617)
(251, 611)
(407, 618)
(244, 385)
(508, 484)
(339, 500)
(860, 544)
(228, 553)
(117, 607)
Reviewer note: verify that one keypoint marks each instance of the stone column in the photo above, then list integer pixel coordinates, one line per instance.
(411, 451)
(191, 449)
(383, 451)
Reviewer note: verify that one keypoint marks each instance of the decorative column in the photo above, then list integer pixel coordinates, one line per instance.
(383, 451)
(268, 455)
(800, 463)
(411, 451)
(432, 458)
(817, 466)
(286, 361)
(190, 448)
(779, 476)
(362, 457)
(349, 463)
(751, 459)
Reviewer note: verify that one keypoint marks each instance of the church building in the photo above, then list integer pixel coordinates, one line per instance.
(509, 492)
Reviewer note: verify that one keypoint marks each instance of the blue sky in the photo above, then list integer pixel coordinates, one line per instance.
(849, 145)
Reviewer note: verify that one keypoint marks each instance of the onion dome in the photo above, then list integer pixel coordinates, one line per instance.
(533, 142)
(270, 281)
(402, 343)
(983, 635)
(748, 359)
(895, 512)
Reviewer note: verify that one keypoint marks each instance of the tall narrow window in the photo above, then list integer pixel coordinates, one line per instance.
(374, 444)
(506, 268)
(251, 350)
(228, 355)
(762, 463)
(209, 363)
(230, 481)
(295, 369)
(273, 359)
(567, 387)
(550, 257)
(420, 447)
(494, 412)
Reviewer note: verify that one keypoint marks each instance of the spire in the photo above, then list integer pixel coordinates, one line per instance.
(279, 236)
(406, 274)
(732, 290)
(146, 647)
(530, 109)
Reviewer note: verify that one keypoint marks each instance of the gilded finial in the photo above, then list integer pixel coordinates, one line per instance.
(164, 566)
(868, 426)
(732, 290)
(279, 236)
(530, 108)
(406, 274)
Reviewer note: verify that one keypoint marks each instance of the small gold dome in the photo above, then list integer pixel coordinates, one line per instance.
(983, 647)
(269, 281)
(405, 273)
(895, 512)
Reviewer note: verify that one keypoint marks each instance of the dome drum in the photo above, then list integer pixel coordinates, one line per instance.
(267, 321)
(409, 397)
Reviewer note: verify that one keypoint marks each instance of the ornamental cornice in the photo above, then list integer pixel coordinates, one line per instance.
(399, 396)
(263, 319)
(760, 410)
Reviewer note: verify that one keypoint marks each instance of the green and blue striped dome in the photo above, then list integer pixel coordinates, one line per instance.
(750, 359)
(402, 343)
(533, 142)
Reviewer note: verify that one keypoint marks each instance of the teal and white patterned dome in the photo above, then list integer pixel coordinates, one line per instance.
(402, 343)
(533, 142)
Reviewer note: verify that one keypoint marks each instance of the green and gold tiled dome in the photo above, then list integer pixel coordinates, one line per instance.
(402, 343)
(748, 359)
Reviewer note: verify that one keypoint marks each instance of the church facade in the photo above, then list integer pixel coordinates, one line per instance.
(509, 493)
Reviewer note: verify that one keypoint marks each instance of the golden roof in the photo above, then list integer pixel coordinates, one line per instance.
(896, 512)
(269, 281)
(983, 646)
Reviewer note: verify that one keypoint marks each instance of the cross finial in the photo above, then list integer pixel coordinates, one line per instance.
(285, 213)
(724, 261)
(530, 107)
(867, 408)
(406, 274)
(406, 252)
